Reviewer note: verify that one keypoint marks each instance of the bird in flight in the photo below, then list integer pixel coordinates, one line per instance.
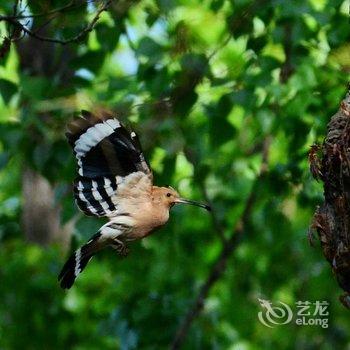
(114, 181)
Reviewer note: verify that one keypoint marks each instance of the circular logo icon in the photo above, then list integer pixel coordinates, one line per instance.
(274, 315)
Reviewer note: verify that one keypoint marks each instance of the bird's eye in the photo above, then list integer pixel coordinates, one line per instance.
(168, 194)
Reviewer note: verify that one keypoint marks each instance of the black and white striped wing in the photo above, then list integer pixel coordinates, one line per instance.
(106, 153)
(95, 196)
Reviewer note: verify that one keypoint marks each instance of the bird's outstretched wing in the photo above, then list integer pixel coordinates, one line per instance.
(107, 155)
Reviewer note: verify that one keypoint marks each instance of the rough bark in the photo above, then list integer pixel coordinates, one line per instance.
(332, 219)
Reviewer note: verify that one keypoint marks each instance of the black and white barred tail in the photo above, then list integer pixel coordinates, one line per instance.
(111, 234)
(78, 261)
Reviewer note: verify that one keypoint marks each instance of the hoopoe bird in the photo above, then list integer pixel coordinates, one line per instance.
(114, 181)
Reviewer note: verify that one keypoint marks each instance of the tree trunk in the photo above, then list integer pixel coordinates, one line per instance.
(41, 215)
(331, 219)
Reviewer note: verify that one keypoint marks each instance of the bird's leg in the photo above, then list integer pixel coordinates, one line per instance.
(120, 247)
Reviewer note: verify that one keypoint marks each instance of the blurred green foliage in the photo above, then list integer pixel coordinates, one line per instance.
(204, 83)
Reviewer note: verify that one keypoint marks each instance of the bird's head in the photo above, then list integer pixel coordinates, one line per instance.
(168, 196)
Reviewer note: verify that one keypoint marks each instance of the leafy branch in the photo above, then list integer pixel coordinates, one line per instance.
(14, 20)
(71, 5)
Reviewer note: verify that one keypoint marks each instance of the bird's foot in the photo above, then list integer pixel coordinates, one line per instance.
(121, 248)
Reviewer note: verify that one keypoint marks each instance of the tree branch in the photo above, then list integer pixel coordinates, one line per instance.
(13, 20)
(70, 5)
(287, 68)
(12, 35)
(229, 247)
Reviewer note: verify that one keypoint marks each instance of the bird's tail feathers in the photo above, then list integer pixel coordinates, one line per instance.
(78, 261)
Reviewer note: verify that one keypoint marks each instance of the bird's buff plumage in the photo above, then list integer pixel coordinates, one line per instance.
(114, 181)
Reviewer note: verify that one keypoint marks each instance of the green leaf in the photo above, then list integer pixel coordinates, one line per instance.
(4, 158)
(7, 89)
(35, 88)
(196, 64)
(149, 48)
(220, 128)
(107, 36)
(92, 61)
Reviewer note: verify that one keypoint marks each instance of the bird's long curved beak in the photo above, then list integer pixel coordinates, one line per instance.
(187, 201)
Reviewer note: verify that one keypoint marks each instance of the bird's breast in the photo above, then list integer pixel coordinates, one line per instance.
(148, 221)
